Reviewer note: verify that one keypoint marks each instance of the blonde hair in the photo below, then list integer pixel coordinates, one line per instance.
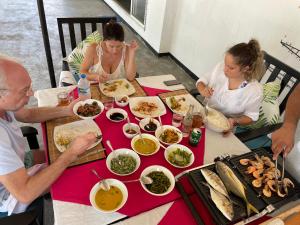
(249, 55)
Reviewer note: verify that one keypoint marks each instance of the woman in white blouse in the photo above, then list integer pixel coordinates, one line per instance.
(232, 86)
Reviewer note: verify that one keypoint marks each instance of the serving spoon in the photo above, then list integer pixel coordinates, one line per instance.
(102, 182)
(143, 179)
(113, 152)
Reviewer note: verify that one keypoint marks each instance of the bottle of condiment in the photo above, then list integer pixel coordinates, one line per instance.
(187, 122)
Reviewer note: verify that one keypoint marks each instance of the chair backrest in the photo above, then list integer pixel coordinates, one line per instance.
(84, 25)
(278, 70)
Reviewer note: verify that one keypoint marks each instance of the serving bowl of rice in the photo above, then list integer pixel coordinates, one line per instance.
(216, 121)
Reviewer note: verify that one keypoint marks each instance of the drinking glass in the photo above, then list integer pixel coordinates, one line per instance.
(197, 120)
(63, 98)
(177, 119)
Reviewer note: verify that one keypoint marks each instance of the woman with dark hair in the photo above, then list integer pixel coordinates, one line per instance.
(233, 87)
(112, 58)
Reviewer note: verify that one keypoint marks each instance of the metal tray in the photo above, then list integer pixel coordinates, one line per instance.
(275, 200)
(239, 205)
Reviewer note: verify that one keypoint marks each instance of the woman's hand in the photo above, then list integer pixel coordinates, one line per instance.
(104, 77)
(205, 90)
(133, 46)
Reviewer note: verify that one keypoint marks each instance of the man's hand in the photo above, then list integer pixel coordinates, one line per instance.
(283, 140)
(80, 144)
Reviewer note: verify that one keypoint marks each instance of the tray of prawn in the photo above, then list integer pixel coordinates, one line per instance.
(215, 184)
(258, 171)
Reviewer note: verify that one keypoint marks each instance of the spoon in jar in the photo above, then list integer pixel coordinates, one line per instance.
(102, 183)
(143, 179)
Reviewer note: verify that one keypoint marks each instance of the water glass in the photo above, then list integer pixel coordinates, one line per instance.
(63, 98)
(177, 119)
(197, 120)
(108, 104)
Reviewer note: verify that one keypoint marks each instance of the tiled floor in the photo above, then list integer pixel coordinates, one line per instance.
(21, 37)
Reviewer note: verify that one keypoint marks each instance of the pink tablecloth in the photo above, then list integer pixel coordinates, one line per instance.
(75, 183)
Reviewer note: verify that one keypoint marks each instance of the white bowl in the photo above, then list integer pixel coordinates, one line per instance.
(211, 122)
(111, 182)
(166, 172)
(123, 151)
(162, 129)
(173, 148)
(116, 110)
(145, 121)
(88, 101)
(118, 100)
(132, 126)
(149, 136)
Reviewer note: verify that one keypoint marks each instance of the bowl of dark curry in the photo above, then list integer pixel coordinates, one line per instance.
(88, 109)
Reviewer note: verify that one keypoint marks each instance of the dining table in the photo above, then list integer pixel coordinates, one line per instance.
(69, 210)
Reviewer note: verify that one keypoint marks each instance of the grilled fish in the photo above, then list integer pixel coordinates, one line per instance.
(221, 202)
(233, 184)
(214, 180)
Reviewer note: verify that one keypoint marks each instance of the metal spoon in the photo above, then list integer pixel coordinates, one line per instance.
(143, 179)
(113, 152)
(141, 137)
(102, 183)
(161, 126)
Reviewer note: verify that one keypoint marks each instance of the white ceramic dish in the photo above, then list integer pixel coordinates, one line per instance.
(111, 182)
(132, 126)
(216, 121)
(88, 101)
(74, 129)
(123, 151)
(184, 100)
(149, 136)
(166, 172)
(116, 110)
(173, 148)
(162, 129)
(117, 87)
(146, 121)
(135, 102)
(122, 100)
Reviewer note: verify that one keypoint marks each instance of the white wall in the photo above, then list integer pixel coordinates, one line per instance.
(198, 32)
(204, 29)
(154, 21)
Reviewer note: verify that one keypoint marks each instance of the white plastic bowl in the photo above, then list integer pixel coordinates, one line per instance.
(116, 110)
(149, 136)
(111, 182)
(89, 101)
(172, 148)
(132, 126)
(123, 151)
(145, 121)
(212, 125)
(160, 130)
(158, 168)
(118, 99)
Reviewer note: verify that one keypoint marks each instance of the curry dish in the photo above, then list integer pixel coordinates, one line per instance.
(145, 146)
(109, 200)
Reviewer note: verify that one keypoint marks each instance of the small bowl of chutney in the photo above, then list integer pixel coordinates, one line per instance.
(116, 115)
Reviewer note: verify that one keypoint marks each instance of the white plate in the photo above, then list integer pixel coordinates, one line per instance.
(116, 110)
(188, 99)
(166, 172)
(75, 129)
(135, 101)
(121, 87)
(159, 131)
(174, 147)
(88, 101)
(111, 182)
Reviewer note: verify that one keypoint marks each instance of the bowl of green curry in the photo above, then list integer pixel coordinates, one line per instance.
(123, 162)
(163, 181)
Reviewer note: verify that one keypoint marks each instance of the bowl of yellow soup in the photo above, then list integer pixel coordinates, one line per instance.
(111, 200)
(147, 145)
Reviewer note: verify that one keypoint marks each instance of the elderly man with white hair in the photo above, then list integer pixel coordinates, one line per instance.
(19, 187)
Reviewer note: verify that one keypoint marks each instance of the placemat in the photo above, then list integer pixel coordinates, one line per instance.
(93, 154)
(97, 94)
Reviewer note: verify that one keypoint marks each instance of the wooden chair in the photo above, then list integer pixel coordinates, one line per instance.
(275, 69)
